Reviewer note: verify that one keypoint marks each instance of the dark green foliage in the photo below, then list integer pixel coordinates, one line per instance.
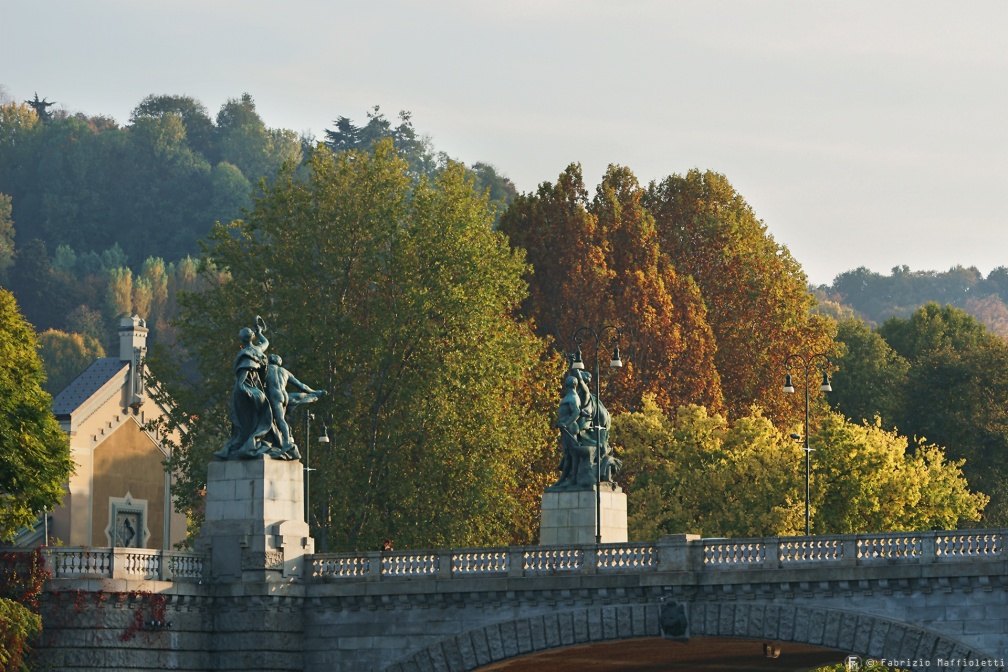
(201, 136)
(938, 376)
(870, 377)
(6, 236)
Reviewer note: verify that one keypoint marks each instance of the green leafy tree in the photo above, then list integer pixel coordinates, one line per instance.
(119, 295)
(200, 132)
(864, 479)
(18, 626)
(246, 142)
(868, 479)
(677, 463)
(417, 150)
(34, 452)
(956, 388)
(437, 412)
(870, 377)
(231, 192)
(45, 294)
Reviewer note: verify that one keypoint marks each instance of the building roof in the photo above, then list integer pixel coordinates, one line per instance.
(87, 384)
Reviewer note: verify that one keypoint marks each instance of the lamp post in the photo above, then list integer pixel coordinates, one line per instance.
(789, 389)
(323, 439)
(577, 363)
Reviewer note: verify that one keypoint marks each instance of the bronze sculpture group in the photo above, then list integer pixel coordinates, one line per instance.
(584, 425)
(260, 401)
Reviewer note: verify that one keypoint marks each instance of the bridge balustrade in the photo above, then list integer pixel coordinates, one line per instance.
(67, 562)
(672, 553)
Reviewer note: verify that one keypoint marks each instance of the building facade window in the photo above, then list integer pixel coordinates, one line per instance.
(127, 522)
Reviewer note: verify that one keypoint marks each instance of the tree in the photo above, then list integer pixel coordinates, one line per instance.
(682, 459)
(417, 150)
(864, 479)
(868, 479)
(119, 295)
(18, 626)
(600, 263)
(41, 108)
(670, 345)
(44, 294)
(956, 388)
(34, 452)
(199, 127)
(758, 304)
(65, 356)
(991, 311)
(870, 377)
(6, 236)
(437, 408)
(244, 141)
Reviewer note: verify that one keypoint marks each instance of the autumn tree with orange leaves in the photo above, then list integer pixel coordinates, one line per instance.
(709, 304)
(757, 298)
(598, 263)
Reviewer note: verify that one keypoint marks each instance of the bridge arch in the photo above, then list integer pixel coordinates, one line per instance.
(848, 631)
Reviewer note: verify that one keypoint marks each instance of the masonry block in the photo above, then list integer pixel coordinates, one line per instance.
(255, 528)
(569, 516)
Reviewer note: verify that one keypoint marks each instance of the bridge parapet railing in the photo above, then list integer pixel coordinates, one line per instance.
(80, 562)
(627, 557)
(891, 546)
(670, 554)
(969, 544)
(551, 559)
(477, 561)
(810, 549)
(409, 563)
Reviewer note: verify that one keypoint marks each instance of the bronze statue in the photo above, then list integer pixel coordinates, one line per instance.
(582, 441)
(277, 379)
(259, 401)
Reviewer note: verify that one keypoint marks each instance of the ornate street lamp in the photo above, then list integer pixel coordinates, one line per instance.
(577, 363)
(789, 389)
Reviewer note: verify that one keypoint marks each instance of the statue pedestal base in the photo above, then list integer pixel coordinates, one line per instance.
(568, 516)
(255, 528)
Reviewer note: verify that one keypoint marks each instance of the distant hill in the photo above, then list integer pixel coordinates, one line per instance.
(875, 297)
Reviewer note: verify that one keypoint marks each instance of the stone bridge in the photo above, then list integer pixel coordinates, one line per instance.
(937, 599)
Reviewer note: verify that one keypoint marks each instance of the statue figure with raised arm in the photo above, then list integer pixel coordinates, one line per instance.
(259, 401)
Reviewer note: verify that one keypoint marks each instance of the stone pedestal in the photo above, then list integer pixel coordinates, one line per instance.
(255, 528)
(568, 516)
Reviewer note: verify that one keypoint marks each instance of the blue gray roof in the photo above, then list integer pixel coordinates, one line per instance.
(86, 384)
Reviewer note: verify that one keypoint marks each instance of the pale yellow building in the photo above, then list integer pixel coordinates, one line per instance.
(120, 492)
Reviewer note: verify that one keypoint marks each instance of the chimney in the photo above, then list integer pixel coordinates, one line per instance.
(133, 349)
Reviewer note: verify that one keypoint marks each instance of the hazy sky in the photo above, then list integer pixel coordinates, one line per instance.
(862, 133)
